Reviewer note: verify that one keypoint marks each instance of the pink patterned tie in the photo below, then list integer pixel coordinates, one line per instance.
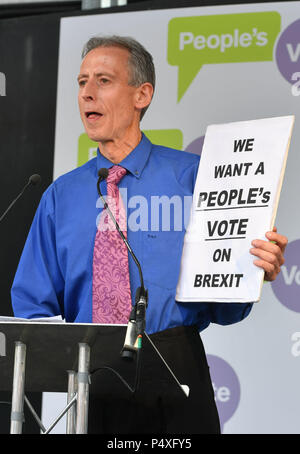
(111, 285)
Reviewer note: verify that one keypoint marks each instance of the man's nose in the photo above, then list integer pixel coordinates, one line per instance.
(89, 90)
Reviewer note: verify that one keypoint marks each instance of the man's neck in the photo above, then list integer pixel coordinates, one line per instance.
(116, 150)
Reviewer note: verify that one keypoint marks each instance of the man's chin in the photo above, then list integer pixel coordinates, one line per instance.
(95, 136)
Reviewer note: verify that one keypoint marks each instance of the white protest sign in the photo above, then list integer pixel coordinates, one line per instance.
(235, 201)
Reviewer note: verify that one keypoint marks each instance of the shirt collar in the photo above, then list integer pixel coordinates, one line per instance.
(134, 162)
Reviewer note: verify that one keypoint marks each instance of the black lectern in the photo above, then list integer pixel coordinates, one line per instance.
(60, 357)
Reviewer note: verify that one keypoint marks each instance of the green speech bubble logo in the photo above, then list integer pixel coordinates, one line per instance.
(87, 149)
(227, 38)
(172, 138)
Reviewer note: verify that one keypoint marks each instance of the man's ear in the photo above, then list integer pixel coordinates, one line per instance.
(144, 95)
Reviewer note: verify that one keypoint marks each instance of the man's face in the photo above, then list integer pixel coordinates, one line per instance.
(107, 103)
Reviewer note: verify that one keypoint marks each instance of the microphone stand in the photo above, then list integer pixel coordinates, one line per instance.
(34, 179)
(137, 319)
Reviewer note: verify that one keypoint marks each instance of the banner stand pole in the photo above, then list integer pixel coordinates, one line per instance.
(83, 381)
(17, 407)
(71, 415)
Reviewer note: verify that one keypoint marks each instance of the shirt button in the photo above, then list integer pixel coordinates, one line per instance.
(136, 172)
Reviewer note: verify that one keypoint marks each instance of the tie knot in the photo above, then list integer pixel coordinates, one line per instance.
(115, 174)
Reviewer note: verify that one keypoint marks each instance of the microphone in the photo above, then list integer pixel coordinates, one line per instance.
(137, 318)
(33, 180)
(103, 173)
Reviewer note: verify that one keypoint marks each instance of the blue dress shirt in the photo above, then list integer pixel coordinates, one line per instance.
(54, 276)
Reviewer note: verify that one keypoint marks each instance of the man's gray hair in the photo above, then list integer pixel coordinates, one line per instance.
(141, 67)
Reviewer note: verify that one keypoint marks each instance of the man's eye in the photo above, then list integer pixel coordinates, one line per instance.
(81, 83)
(104, 80)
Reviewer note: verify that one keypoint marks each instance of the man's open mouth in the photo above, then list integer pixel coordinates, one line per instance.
(92, 115)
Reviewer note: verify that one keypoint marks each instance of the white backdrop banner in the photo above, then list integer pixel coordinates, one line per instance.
(217, 65)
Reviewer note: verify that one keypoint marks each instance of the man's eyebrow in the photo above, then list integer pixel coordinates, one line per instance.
(80, 76)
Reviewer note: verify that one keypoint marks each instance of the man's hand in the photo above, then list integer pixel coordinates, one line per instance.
(270, 253)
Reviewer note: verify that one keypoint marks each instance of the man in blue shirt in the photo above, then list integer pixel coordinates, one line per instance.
(54, 277)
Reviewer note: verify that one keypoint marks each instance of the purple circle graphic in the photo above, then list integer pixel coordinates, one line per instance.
(287, 284)
(288, 51)
(195, 147)
(226, 387)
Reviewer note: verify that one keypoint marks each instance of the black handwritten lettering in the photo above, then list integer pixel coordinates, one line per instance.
(243, 145)
(232, 170)
(230, 227)
(237, 197)
(217, 280)
(260, 169)
(221, 255)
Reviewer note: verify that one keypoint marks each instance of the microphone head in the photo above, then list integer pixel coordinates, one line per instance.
(103, 173)
(35, 179)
